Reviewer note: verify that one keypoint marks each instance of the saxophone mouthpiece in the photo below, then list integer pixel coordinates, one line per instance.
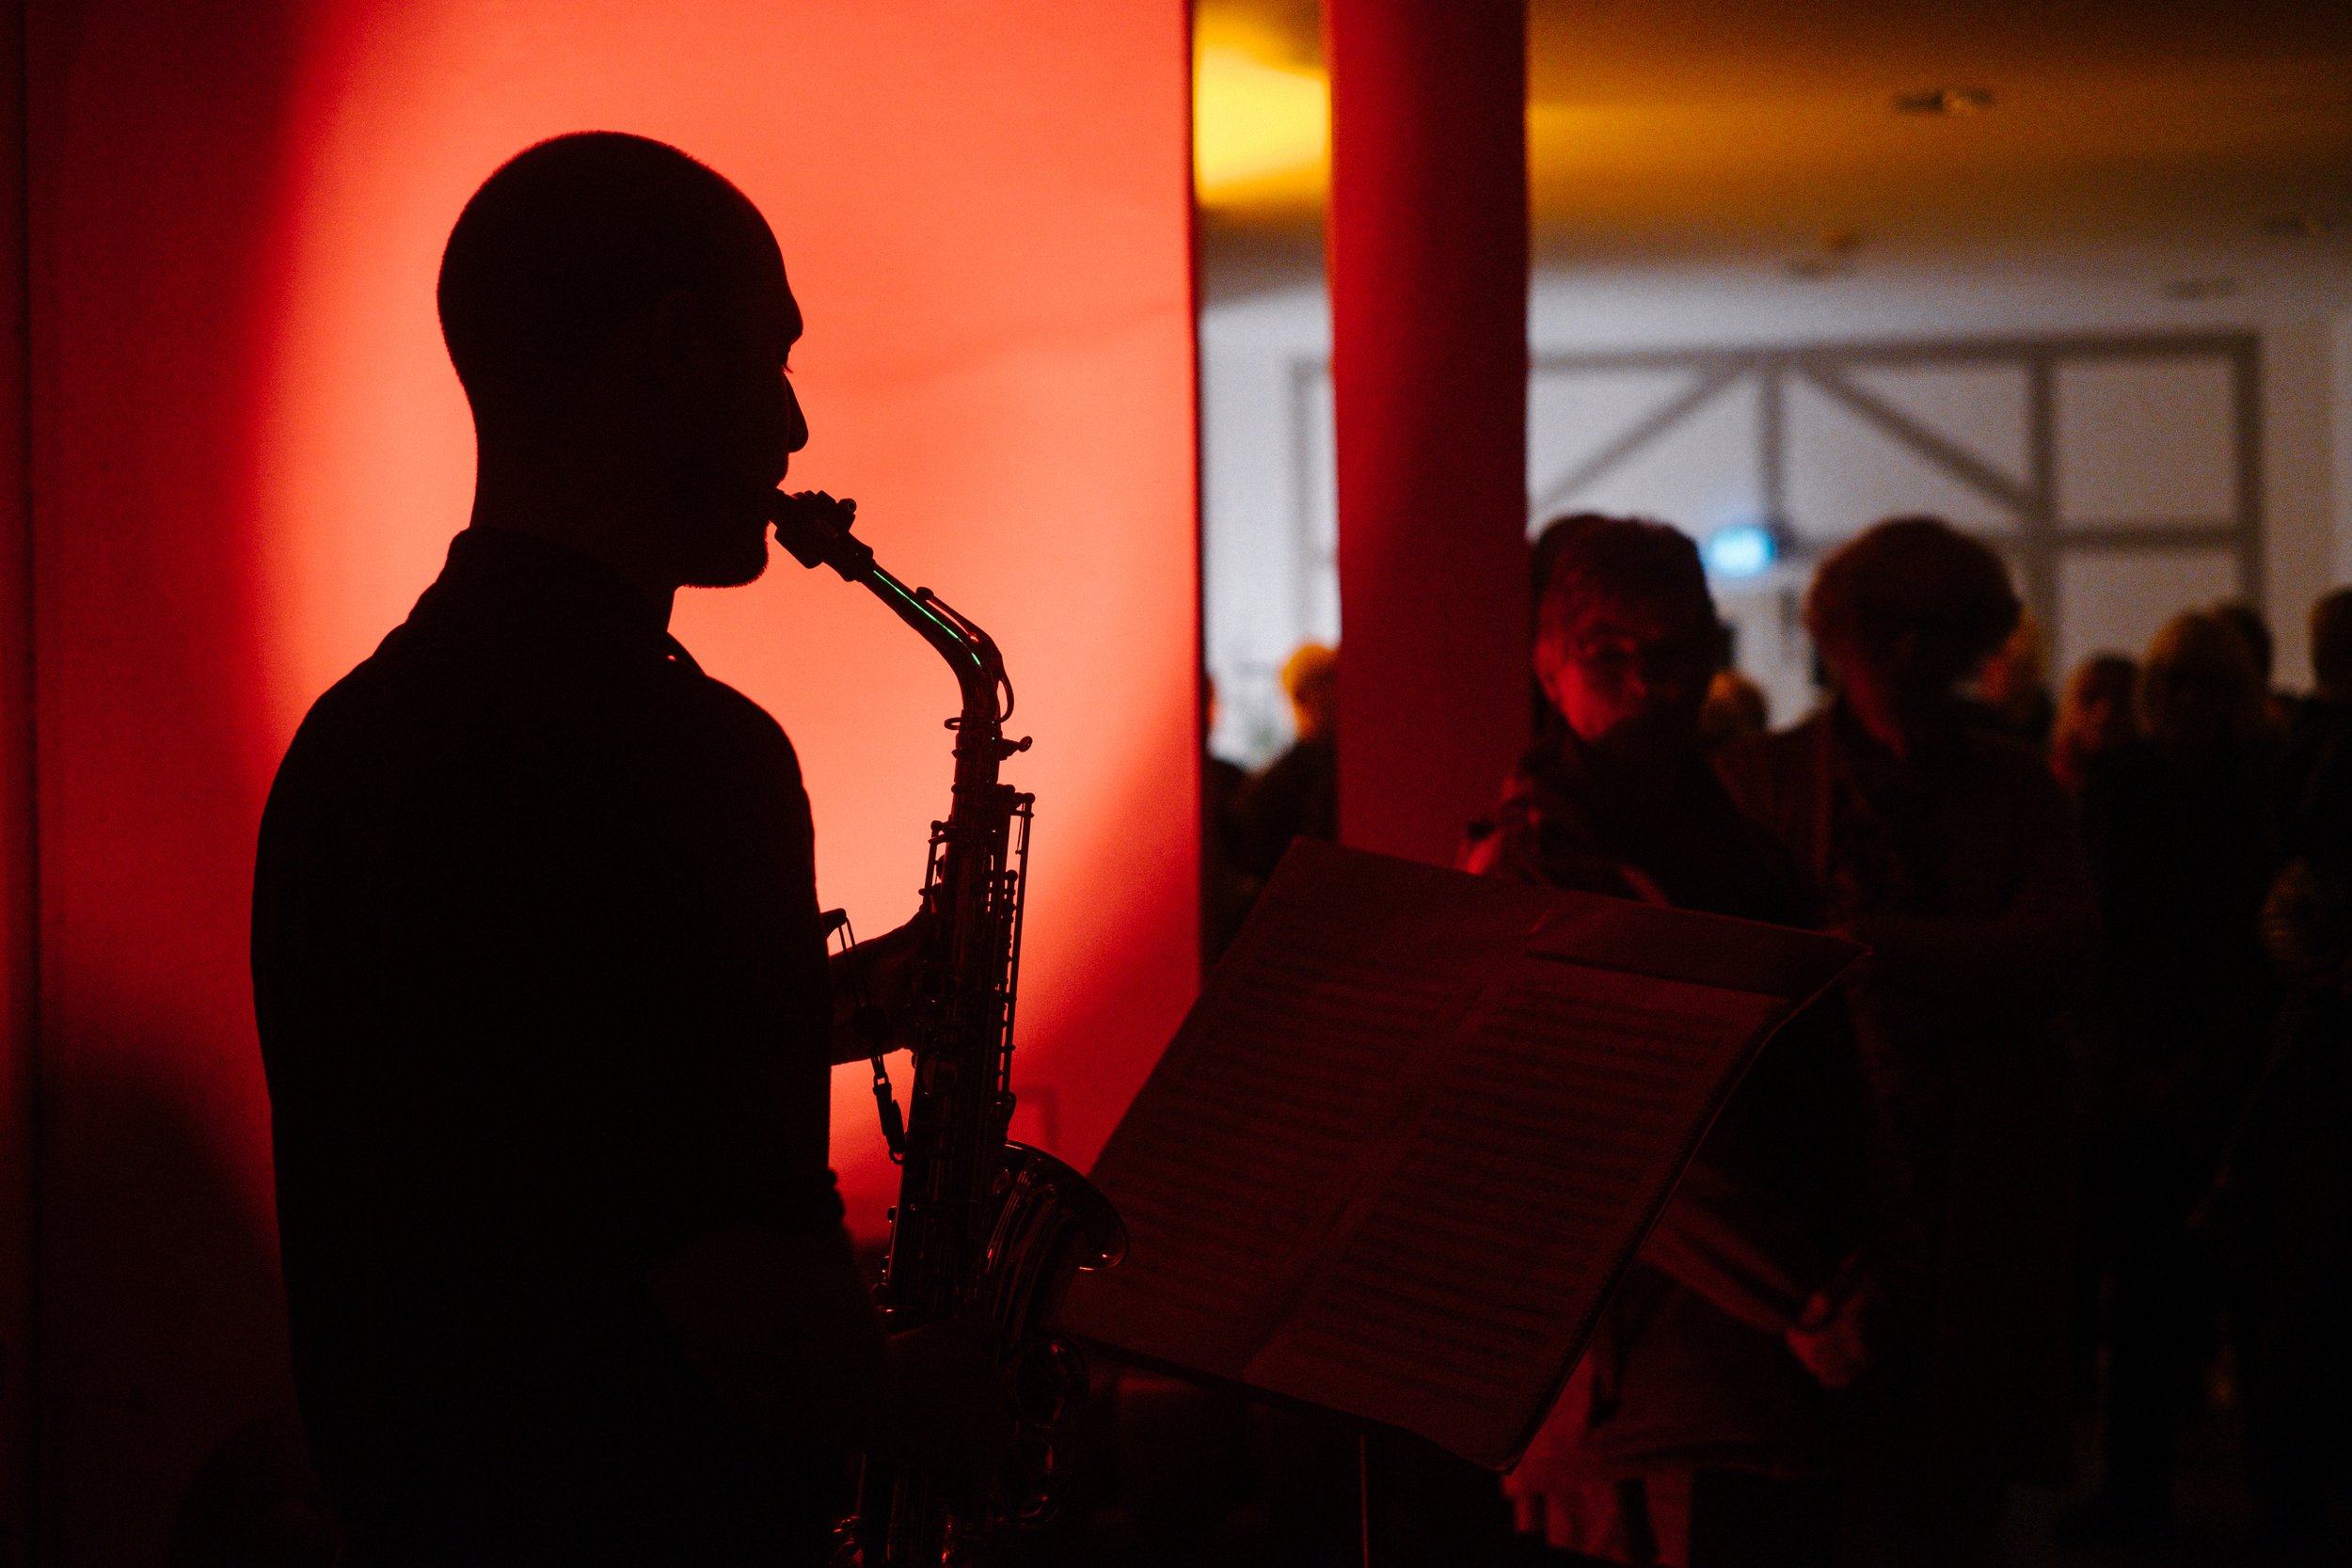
(815, 527)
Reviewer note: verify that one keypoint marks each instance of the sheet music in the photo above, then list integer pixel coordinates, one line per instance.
(1414, 1131)
(1566, 1109)
(1230, 1186)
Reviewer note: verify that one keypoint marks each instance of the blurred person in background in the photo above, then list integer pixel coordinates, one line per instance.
(2252, 630)
(2279, 1214)
(1226, 891)
(2178, 830)
(1298, 794)
(1951, 852)
(1553, 537)
(1695, 1430)
(2099, 713)
(1736, 710)
(2314, 773)
(2012, 691)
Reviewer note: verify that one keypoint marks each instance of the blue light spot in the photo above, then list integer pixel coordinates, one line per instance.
(1741, 550)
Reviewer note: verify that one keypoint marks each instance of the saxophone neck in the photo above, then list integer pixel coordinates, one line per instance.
(970, 653)
(815, 527)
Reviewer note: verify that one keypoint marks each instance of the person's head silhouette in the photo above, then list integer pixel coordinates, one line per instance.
(619, 317)
(1627, 638)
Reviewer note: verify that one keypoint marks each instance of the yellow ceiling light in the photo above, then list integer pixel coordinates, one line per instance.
(1261, 129)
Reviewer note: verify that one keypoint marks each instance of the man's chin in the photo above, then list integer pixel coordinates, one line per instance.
(729, 569)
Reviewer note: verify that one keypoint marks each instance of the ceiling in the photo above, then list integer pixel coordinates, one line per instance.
(2215, 135)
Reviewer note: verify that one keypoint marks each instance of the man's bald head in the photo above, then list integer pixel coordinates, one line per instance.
(571, 239)
(620, 318)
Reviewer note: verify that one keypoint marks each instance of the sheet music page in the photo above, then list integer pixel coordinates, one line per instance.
(1550, 1142)
(1414, 1131)
(1241, 1151)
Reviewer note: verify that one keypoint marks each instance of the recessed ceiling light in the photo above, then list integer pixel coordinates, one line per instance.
(1943, 100)
(2201, 288)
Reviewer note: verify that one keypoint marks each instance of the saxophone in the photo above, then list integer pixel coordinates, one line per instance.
(984, 1229)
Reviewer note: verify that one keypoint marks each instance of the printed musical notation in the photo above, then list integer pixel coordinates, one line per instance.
(1414, 1130)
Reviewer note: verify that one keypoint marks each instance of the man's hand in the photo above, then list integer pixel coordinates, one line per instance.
(873, 984)
(1831, 1336)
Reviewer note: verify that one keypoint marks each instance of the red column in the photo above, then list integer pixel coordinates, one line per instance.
(20, 910)
(1428, 268)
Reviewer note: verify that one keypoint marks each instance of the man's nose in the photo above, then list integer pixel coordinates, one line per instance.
(795, 421)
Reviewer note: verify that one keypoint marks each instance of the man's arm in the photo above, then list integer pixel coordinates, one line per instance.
(755, 1276)
(879, 974)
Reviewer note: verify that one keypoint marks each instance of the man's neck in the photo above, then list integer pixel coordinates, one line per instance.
(597, 525)
(1626, 768)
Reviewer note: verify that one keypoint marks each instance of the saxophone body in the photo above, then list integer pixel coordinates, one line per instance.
(985, 1229)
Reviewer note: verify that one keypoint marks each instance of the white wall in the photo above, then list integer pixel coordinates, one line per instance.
(2306, 467)
(2340, 383)
(1264, 591)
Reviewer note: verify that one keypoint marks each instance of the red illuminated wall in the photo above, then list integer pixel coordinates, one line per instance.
(249, 455)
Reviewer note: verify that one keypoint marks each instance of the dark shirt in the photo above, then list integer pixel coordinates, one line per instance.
(542, 996)
(2183, 850)
(1226, 890)
(1297, 796)
(2315, 785)
(1959, 862)
(1678, 840)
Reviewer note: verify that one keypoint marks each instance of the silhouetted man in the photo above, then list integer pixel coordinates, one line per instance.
(542, 989)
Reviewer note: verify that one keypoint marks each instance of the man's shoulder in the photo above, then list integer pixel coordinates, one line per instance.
(414, 673)
(420, 709)
(728, 721)
(374, 698)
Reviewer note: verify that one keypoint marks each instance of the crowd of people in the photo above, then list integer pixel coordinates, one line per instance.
(2070, 1142)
